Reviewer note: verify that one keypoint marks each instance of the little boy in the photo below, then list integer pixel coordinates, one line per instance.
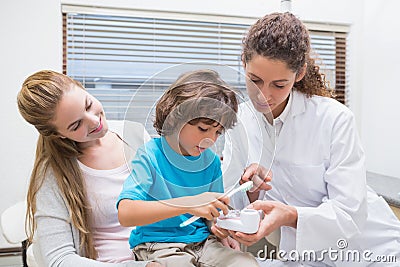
(177, 176)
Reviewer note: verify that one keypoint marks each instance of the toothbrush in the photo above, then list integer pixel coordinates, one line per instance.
(244, 187)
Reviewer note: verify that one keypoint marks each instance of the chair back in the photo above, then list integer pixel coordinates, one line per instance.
(13, 223)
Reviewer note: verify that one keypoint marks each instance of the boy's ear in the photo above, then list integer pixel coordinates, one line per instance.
(301, 73)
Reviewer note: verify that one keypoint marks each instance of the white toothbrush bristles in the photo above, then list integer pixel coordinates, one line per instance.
(244, 187)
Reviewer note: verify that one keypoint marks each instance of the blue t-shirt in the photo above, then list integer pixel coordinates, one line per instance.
(159, 173)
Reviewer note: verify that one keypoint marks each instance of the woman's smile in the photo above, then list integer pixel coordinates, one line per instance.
(98, 128)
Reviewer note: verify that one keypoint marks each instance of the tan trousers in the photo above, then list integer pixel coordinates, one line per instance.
(203, 254)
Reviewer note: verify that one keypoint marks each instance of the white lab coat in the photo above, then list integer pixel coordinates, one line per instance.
(319, 169)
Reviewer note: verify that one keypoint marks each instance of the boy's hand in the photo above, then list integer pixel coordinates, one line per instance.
(206, 205)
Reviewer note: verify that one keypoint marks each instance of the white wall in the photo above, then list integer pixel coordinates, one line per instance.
(381, 72)
(32, 40)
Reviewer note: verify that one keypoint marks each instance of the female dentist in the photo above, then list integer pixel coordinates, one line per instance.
(319, 198)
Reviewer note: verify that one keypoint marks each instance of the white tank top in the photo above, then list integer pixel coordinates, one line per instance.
(103, 189)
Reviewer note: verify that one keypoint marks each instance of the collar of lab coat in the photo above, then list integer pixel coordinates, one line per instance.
(298, 106)
(286, 110)
(295, 106)
(298, 103)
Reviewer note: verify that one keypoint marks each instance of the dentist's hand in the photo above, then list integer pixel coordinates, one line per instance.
(276, 214)
(260, 177)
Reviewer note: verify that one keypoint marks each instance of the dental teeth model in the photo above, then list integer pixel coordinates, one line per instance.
(244, 187)
(245, 221)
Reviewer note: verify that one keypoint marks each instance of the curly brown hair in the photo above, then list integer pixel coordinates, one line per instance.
(199, 95)
(282, 36)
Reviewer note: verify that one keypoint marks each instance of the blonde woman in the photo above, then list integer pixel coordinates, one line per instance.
(78, 173)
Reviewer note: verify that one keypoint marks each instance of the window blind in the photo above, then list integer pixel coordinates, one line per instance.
(329, 48)
(122, 60)
(115, 56)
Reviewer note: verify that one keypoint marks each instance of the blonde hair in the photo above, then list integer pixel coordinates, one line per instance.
(37, 102)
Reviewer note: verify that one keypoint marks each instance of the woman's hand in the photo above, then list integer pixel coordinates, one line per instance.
(231, 243)
(223, 235)
(276, 214)
(260, 177)
(219, 232)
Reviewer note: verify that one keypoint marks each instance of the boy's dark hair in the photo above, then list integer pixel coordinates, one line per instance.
(199, 95)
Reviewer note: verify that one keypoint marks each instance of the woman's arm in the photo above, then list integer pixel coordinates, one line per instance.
(56, 241)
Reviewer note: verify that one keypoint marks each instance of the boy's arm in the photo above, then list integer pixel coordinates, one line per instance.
(140, 212)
